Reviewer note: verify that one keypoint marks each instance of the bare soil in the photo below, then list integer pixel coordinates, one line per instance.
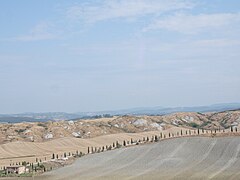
(180, 158)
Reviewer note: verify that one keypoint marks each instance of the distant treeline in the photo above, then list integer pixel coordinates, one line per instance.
(95, 117)
(11, 119)
(20, 119)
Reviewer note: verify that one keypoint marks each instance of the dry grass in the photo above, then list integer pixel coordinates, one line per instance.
(179, 158)
(28, 151)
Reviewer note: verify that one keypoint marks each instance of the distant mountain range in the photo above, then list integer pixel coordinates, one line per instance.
(56, 116)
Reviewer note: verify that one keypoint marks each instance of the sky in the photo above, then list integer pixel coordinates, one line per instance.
(92, 55)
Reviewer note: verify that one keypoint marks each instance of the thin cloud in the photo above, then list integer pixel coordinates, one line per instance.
(107, 10)
(42, 31)
(218, 43)
(192, 24)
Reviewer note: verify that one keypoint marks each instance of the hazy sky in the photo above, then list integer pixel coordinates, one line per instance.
(65, 55)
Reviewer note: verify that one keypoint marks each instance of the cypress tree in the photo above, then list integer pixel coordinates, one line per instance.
(53, 156)
(198, 132)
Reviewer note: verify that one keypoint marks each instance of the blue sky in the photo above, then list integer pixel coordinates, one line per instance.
(98, 55)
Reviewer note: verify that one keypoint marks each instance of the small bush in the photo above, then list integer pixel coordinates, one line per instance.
(194, 125)
(20, 130)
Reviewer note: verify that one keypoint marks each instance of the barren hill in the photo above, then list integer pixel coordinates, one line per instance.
(30, 141)
(183, 158)
(45, 131)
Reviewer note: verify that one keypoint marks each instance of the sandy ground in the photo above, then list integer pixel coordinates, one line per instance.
(181, 158)
(29, 151)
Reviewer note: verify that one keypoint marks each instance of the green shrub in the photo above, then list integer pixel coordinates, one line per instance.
(194, 125)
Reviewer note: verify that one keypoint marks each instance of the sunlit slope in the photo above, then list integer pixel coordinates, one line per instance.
(15, 152)
(182, 158)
